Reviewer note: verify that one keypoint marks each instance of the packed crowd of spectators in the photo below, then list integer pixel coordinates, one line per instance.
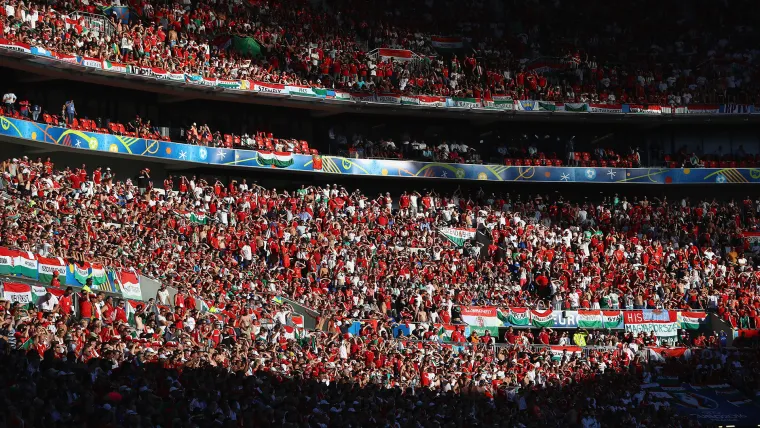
(529, 50)
(354, 256)
(350, 257)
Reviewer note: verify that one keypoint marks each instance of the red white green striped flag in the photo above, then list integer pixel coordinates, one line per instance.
(542, 318)
(16, 292)
(457, 235)
(98, 274)
(25, 264)
(48, 267)
(692, 320)
(6, 261)
(441, 42)
(518, 316)
(276, 159)
(81, 272)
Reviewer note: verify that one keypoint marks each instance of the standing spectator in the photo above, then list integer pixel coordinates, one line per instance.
(143, 180)
(9, 99)
(570, 148)
(55, 282)
(70, 111)
(36, 110)
(24, 108)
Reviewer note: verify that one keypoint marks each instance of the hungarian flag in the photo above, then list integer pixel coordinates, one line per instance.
(557, 351)
(692, 320)
(28, 344)
(547, 106)
(441, 42)
(48, 267)
(98, 274)
(199, 218)
(590, 319)
(39, 292)
(297, 320)
(457, 235)
(444, 331)
(25, 264)
(752, 237)
(275, 159)
(612, 319)
(290, 332)
(397, 54)
(542, 318)
(6, 261)
(81, 272)
(576, 107)
(518, 316)
(130, 309)
(130, 284)
(15, 292)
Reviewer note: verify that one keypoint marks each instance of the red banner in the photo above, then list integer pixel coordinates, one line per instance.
(649, 316)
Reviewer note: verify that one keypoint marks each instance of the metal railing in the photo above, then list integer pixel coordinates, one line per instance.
(98, 24)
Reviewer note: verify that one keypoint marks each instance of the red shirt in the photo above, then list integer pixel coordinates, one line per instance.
(85, 308)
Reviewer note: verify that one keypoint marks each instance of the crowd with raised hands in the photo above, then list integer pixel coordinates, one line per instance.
(544, 55)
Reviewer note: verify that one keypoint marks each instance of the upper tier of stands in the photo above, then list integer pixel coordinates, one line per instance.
(526, 51)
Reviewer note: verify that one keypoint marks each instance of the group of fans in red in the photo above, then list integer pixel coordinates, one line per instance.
(223, 343)
(240, 249)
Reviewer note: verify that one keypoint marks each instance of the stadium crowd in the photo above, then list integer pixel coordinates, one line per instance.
(358, 257)
(691, 61)
(238, 246)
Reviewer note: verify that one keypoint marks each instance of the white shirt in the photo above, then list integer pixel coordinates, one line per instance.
(49, 304)
(9, 98)
(247, 253)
